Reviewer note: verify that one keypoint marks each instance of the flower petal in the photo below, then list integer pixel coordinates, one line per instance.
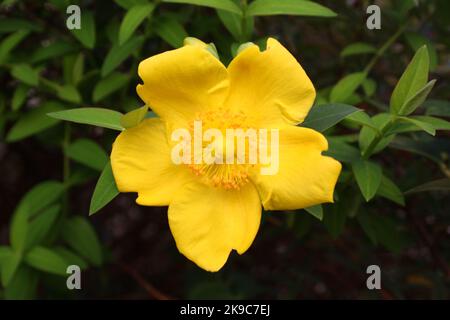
(179, 83)
(270, 85)
(305, 177)
(207, 223)
(141, 162)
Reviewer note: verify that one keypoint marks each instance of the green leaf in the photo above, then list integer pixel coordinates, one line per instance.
(432, 148)
(40, 226)
(171, 31)
(34, 121)
(47, 260)
(119, 53)
(341, 151)
(26, 74)
(368, 176)
(34, 201)
(40, 197)
(53, 50)
(437, 123)
(226, 5)
(413, 80)
(425, 126)
(440, 108)
(232, 22)
(132, 19)
(108, 85)
(69, 93)
(315, 211)
(10, 263)
(358, 48)
(4, 253)
(23, 284)
(105, 190)
(12, 24)
(94, 116)
(87, 152)
(362, 119)
(325, 116)
(369, 87)
(19, 97)
(77, 70)
(10, 42)
(435, 185)
(79, 235)
(86, 34)
(19, 229)
(134, 117)
(389, 190)
(347, 86)
(289, 7)
(66, 92)
(411, 124)
(417, 99)
(70, 257)
(128, 4)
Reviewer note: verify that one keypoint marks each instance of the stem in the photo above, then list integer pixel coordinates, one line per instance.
(66, 168)
(383, 48)
(373, 144)
(244, 21)
(380, 135)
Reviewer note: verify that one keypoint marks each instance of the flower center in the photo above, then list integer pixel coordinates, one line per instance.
(222, 163)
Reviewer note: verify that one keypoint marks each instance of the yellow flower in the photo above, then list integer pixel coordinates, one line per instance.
(216, 208)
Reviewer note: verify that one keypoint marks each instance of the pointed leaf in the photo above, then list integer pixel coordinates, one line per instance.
(171, 31)
(119, 53)
(86, 34)
(325, 116)
(413, 80)
(425, 126)
(417, 99)
(436, 185)
(368, 176)
(94, 116)
(227, 5)
(316, 211)
(134, 117)
(47, 260)
(357, 48)
(26, 74)
(40, 226)
(132, 19)
(347, 86)
(87, 152)
(78, 233)
(389, 190)
(105, 190)
(34, 121)
(108, 85)
(289, 7)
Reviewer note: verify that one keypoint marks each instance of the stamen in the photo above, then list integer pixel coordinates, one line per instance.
(227, 176)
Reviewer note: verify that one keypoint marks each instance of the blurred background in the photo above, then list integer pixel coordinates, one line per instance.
(126, 250)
